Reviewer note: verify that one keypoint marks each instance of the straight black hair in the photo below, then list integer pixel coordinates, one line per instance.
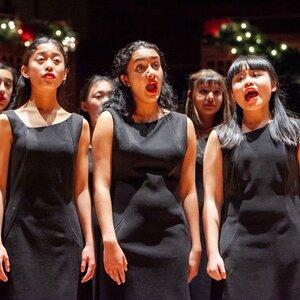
(284, 126)
(23, 85)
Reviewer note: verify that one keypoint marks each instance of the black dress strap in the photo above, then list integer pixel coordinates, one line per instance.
(75, 123)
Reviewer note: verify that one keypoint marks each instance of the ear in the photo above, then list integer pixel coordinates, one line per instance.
(24, 71)
(273, 87)
(125, 80)
(189, 93)
(66, 74)
(83, 105)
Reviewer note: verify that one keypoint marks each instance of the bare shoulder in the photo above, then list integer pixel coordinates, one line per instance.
(105, 121)
(190, 128)
(106, 116)
(190, 123)
(213, 137)
(4, 119)
(4, 123)
(5, 128)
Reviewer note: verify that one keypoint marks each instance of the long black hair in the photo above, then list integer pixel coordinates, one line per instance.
(121, 98)
(283, 128)
(23, 85)
(4, 66)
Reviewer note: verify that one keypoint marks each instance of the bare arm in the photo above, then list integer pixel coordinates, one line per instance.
(213, 199)
(189, 198)
(299, 156)
(5, 146)
(83, 202)
(114, 259)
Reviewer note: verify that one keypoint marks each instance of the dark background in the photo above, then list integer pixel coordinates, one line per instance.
(104, 26)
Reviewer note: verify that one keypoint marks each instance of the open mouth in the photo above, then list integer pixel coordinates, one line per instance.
(251, 95)
(152, 87)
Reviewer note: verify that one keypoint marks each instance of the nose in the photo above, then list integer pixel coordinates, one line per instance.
(2, 87)
(210, 96)
(150, 72)
(248, 80)
(48, 65)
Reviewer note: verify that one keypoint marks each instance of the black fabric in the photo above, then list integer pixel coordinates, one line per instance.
(201, 284)
(41, 231)
(149, 220)
(260, 234)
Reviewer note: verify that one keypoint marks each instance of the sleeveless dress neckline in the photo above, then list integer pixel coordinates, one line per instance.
(257, 129)
(39, 127)
(153, 122)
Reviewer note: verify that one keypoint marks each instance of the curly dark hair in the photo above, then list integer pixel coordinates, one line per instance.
(23, 85)
(121, 98)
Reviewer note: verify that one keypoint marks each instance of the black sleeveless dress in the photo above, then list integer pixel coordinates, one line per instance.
(201, 284)
(260, 234)
(41, 230)
(148, 217)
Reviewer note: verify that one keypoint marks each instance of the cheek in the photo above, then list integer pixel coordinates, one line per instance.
(9, 91)
(93, 106)
(198, 99)
(219, 102)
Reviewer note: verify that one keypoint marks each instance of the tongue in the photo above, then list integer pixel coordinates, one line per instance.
(152, 87)
(251, 96)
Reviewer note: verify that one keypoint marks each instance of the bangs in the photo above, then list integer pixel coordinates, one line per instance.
(251, 62)
(210, 80)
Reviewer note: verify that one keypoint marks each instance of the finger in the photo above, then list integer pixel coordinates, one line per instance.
(222, 271)
(89, 273)
(192, 274)
(116, 277)
(121, 273)
(214, 275)
(125, 264)
(83, 264)
(6, 264)
(3, 276)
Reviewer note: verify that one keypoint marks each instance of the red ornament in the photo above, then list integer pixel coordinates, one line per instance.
(26, 34)
(212, 27)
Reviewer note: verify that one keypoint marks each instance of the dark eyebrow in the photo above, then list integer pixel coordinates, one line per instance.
(6, 78)
(53, 53)
(145, 58)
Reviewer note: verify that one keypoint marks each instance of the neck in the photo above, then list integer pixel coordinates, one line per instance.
(45, 101)
(207, 123)
(256, 119)
(147, 111)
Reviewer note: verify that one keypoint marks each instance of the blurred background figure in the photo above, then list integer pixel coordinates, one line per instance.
(8, 79)
(207, 105)
(92, 96)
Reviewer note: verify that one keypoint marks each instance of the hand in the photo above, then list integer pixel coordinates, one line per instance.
(88, 259)
(215, 267)
(4, 261)
(194, 261)
(115, 262)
